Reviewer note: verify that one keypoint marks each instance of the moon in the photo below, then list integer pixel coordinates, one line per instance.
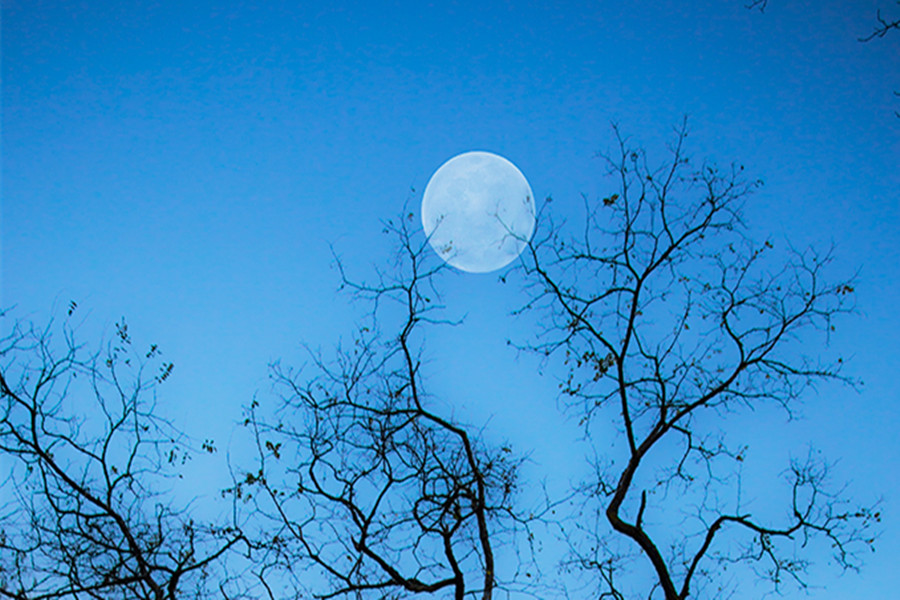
(478, 212)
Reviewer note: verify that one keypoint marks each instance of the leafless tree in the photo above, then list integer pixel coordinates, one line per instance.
(364, 483)
(670, 321)
(760, 4)
(883, 27)
(85, 457)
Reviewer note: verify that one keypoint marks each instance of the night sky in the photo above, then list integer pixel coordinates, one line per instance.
(190, 166)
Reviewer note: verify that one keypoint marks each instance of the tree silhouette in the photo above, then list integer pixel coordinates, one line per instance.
(760, 4)
(670, 321)
(362, 481)
(665, 318)
(883, 27)
(82, 513)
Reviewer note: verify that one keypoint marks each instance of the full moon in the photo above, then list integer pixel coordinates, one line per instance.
(478, 212)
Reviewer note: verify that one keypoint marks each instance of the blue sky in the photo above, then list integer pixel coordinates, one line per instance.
(188, 165)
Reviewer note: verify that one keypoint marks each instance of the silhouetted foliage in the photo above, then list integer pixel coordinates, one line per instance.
(666, 318)
(85, 457)
(670, 321)
(363, 481)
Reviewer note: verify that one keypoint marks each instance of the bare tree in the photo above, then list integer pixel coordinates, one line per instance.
(883, 27)
(760, 4)
(363, 481)
(670, 321)
(85, 460)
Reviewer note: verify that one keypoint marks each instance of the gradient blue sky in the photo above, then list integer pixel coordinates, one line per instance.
(188, 164)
